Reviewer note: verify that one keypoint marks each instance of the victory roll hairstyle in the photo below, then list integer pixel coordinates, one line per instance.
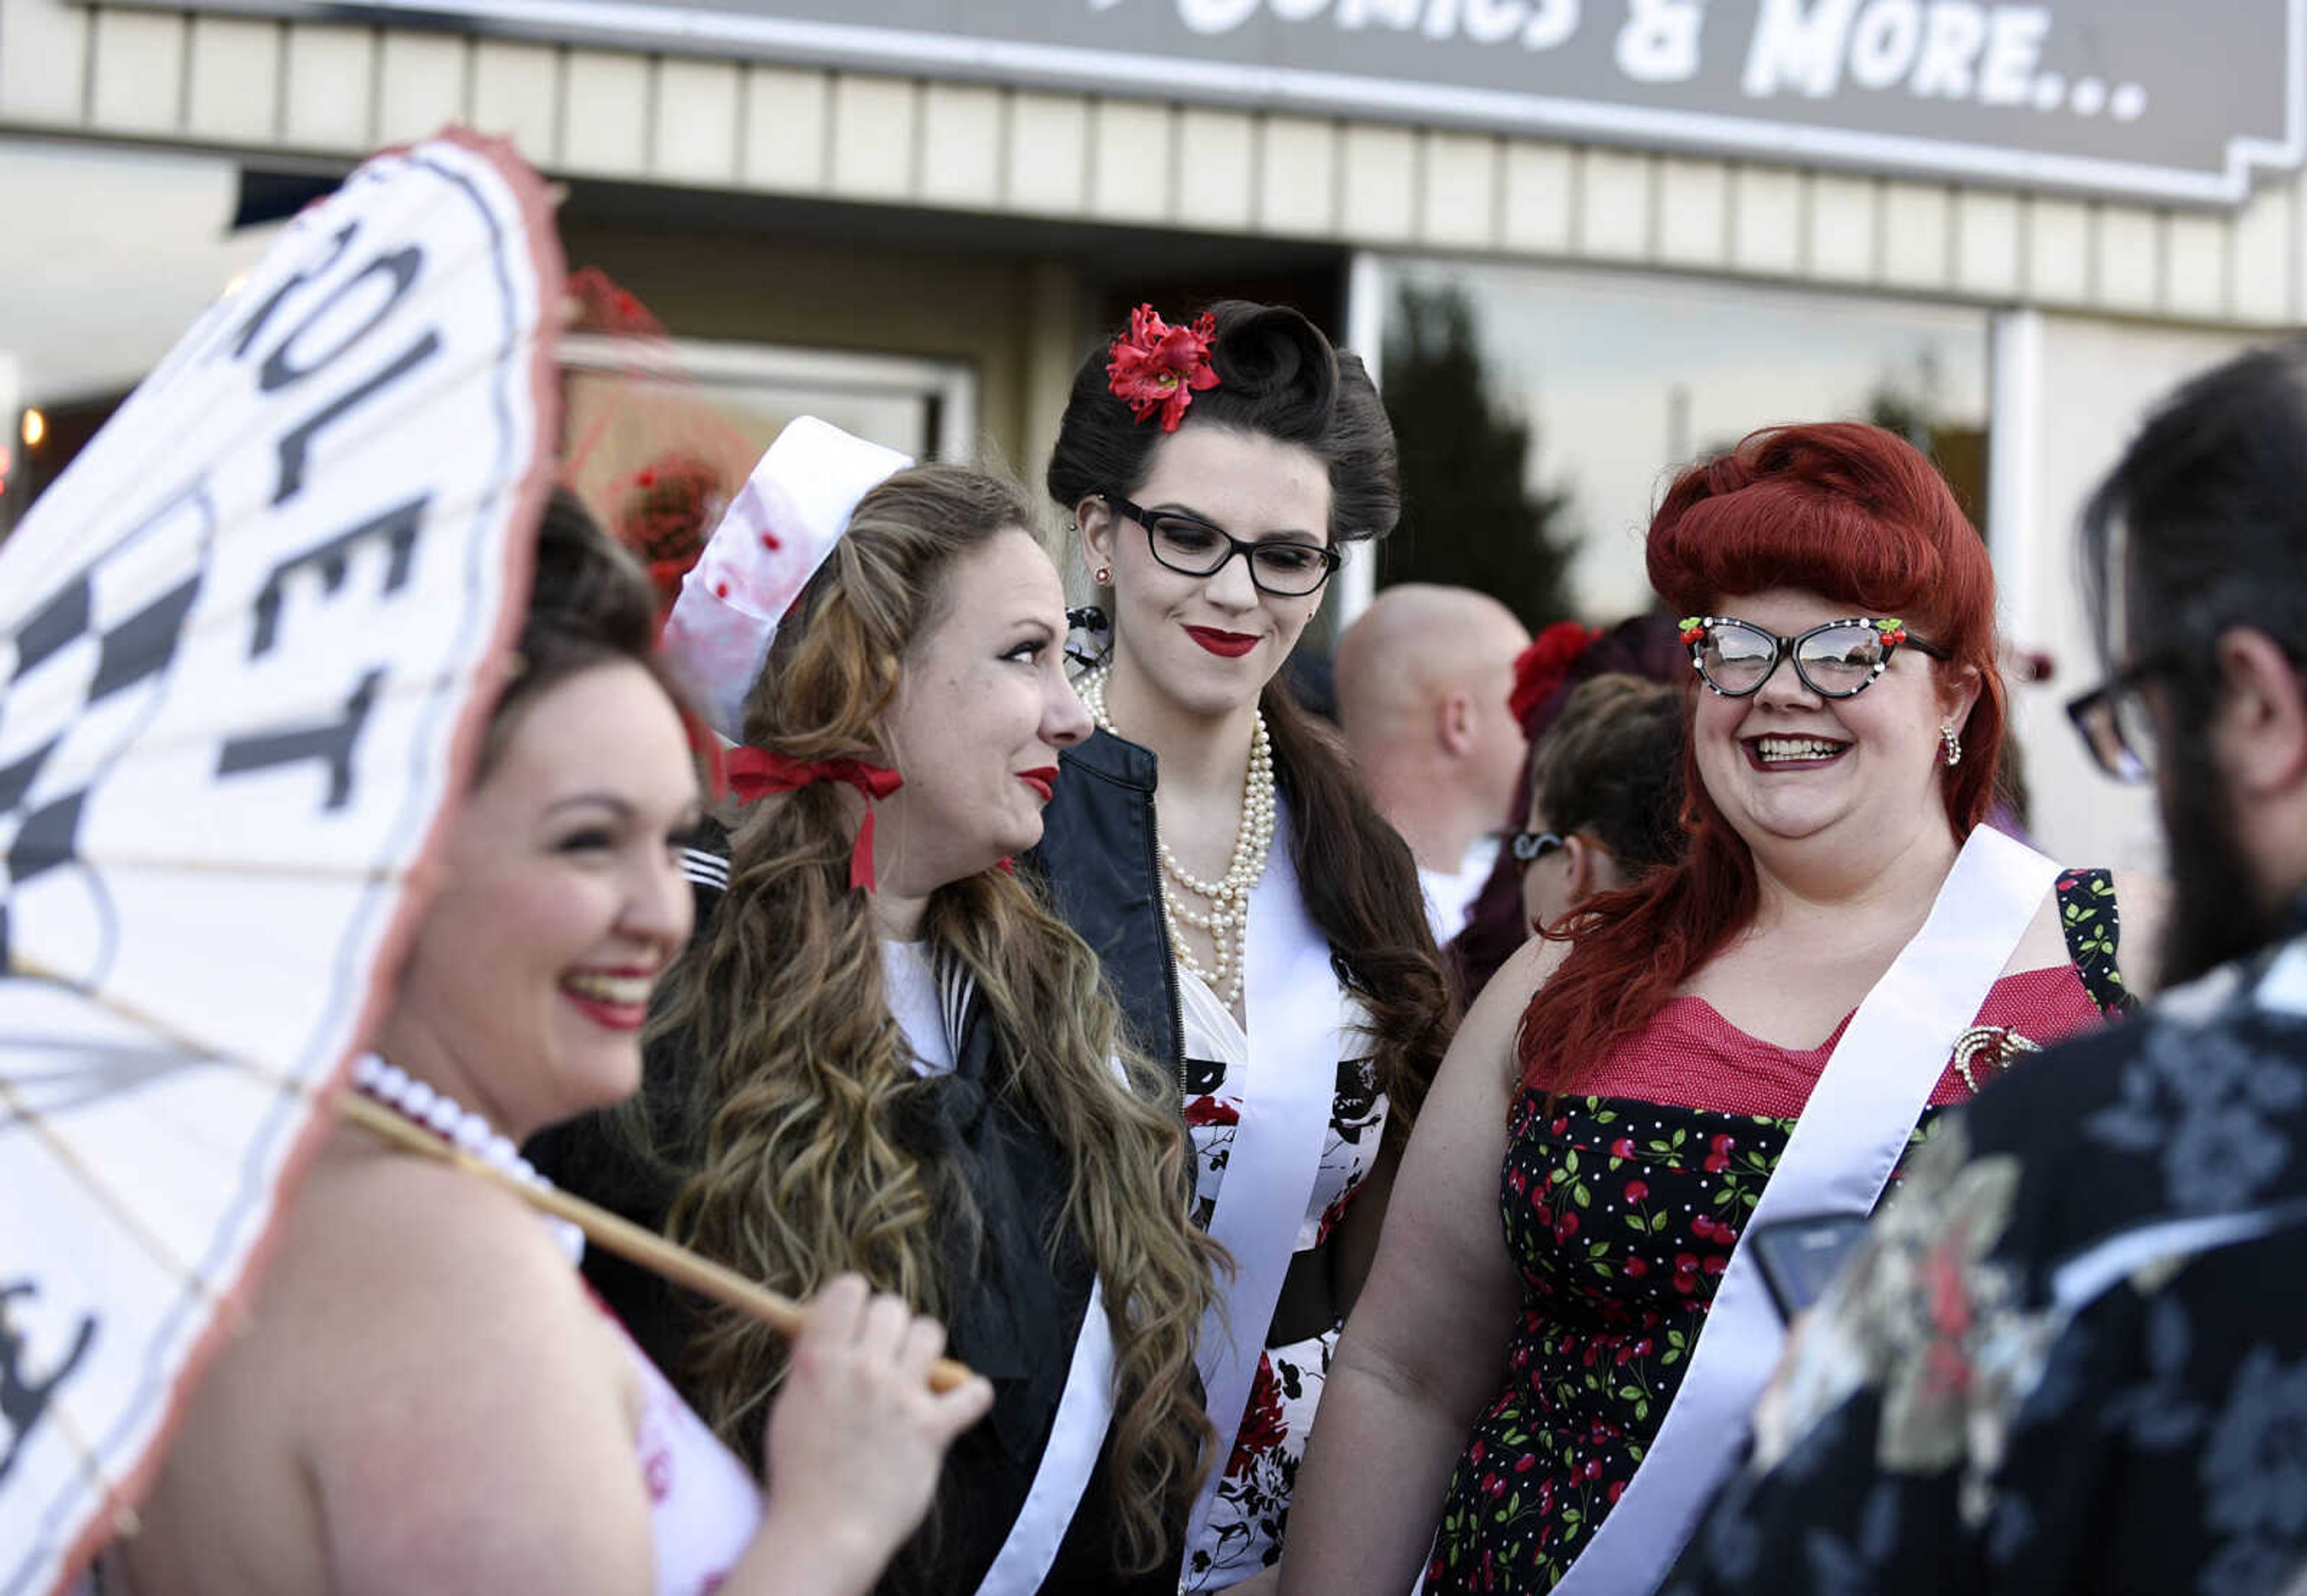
(806, 1105)
(589, 604)
(1278, 377)
(1847, 511)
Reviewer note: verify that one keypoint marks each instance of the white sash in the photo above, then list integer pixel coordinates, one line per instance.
(1850, 1137)
(1077, 1434)
(1297, 1015)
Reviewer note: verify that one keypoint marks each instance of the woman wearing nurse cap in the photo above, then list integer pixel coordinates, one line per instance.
(881, 1054)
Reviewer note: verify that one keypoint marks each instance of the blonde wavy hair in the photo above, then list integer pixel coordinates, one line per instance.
(806, 1084)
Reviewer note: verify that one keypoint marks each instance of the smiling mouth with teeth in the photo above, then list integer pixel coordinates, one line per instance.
(624, 991)
(1794, 751)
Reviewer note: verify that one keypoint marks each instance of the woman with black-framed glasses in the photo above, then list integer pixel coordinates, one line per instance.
(1756, 1032)
(1260, 923)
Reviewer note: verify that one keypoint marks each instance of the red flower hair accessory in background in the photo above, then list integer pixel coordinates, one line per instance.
(605, 307)
(669, 506)
(1157, 367)
(1544, 667)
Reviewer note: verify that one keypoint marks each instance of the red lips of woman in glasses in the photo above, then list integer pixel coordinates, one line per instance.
(1227, 645)
(1043, 781)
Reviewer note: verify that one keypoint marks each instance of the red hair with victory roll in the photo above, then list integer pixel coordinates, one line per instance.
(1753, 1036)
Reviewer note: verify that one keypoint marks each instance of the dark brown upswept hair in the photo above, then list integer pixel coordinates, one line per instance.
(807, 1105)
(1610, 766)
(1847, 511)
(589, 604)
(1279, 378)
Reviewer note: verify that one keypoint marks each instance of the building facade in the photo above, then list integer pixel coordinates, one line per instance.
(933, 243)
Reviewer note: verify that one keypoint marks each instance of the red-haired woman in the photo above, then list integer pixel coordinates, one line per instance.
(1753, 1034)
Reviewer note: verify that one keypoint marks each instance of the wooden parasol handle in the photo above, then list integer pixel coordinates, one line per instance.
(621, 1236)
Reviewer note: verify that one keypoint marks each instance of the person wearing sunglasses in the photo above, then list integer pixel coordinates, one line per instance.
(1606, 797)
(1257, 918)
(1564, 1331)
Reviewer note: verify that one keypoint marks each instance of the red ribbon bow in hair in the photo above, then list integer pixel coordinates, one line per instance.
(1541, 669)
(756, 773)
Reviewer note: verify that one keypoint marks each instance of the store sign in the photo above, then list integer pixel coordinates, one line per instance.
(2146, 98)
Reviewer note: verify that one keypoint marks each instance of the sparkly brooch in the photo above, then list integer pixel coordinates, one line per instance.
(1989, 1047)
(1157, 368)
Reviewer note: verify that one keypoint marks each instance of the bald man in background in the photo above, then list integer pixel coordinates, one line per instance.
(1423, 676)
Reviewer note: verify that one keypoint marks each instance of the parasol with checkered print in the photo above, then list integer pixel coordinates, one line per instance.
(245, 646)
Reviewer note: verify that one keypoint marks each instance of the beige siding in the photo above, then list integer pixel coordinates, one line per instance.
(696, 130)
(1044, 169)
(1217, 169)
(517, 94)
(138, 83)
(329, 88)
(330, 78)
(420, 85)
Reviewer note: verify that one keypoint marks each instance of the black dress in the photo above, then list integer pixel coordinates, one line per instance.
(1027, 1286)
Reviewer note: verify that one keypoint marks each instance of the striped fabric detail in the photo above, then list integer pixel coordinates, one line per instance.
(704, 868)
(956, 991)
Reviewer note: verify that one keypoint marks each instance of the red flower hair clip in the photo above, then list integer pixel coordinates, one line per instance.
(1157, 367)
(1541, 669)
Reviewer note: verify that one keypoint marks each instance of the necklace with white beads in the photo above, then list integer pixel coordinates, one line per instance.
(459, 1126)
(1226, 918)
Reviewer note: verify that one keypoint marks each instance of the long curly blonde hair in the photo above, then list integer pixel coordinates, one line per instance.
(806, 1084)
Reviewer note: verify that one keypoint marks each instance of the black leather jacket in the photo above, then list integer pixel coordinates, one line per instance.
(1101, 861)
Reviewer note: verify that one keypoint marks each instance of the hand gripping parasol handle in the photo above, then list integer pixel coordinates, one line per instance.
(621, 1236)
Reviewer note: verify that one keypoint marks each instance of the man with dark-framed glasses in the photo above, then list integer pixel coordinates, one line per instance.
(2072, 1355)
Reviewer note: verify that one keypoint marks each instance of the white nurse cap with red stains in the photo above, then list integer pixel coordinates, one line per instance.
(778, 529)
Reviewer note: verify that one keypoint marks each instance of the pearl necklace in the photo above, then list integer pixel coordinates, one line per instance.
(1226, 919)
(460, 1127)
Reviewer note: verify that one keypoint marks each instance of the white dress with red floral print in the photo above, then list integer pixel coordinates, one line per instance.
(1245, 1530)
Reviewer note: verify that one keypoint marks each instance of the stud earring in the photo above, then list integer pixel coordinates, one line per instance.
(1953, 746)
(1104, 577)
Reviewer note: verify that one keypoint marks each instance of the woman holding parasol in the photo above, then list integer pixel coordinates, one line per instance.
(424, 1398)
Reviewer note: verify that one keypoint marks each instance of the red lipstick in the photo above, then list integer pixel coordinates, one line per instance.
(1043, 781)
(1226, 645)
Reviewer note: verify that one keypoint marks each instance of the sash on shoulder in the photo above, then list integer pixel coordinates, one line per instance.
(1297, 1013)
(1076, 1436)
(1849, 1137)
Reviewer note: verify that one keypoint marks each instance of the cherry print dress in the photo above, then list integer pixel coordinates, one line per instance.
(1620, 1210)
(1246, 1526)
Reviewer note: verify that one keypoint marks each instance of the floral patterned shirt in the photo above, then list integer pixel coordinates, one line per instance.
(1252, 1510)
(2065, 1359)
(1621, 1209)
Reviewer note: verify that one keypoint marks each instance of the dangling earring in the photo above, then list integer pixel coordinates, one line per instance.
(1104, 577)
(1953, 746)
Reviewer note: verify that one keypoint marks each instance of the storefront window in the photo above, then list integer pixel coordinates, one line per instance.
(633, 404)
(1615, 378)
